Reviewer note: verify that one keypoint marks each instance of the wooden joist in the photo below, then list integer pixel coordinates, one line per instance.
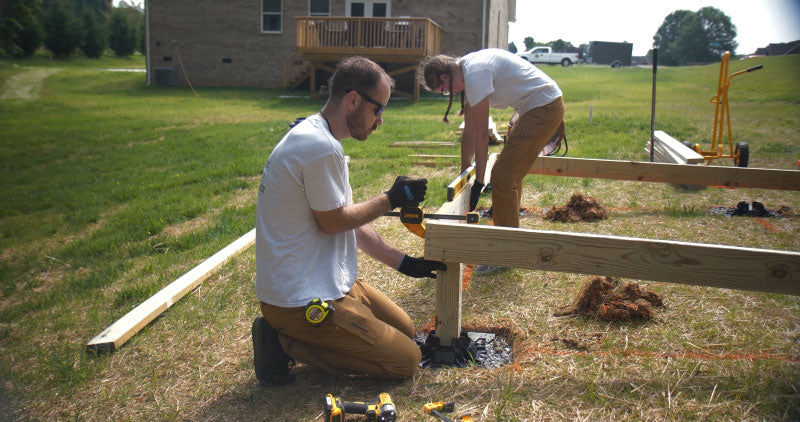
(738, 177)
(118, 333)
(422, 144)
(669, 149)
(658, 260)
(433, 156)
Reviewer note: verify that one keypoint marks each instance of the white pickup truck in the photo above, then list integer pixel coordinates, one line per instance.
(546, 55)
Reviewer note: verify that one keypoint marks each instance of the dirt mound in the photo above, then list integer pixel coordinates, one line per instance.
(601, 298)
(578, 208)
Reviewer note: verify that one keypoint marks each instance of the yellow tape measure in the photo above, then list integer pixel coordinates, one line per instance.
(317, 310)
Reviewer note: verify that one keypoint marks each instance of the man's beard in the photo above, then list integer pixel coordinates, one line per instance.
(357, 125)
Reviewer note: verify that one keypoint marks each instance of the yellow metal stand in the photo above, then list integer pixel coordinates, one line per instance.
(740, 154)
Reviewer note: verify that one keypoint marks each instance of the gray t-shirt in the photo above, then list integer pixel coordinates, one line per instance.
(507, 80)
(295, 260)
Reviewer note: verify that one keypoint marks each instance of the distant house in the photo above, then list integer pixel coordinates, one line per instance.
(295, 43)
(779, 49)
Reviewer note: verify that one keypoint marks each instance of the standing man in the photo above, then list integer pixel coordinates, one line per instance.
(499, 79)
(314, 308)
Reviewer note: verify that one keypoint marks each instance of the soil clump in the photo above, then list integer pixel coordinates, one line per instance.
(602, 298)
(578, 208)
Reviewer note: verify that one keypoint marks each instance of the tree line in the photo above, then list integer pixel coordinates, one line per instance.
(685, 37)
(66, 26)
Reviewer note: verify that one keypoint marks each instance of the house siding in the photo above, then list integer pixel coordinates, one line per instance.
(201, 33)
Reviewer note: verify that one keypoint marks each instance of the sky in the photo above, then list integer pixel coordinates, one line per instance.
(758, 22)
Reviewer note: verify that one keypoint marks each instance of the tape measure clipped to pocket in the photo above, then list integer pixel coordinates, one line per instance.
(317, 310)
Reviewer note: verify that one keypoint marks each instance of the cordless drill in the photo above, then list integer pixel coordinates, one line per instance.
(381, 411)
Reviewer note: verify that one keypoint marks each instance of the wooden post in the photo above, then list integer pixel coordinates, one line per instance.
(313, 81)
(448, 282)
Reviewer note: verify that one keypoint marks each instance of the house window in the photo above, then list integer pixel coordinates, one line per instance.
(271, 15)
(368, 8)
(319, 7)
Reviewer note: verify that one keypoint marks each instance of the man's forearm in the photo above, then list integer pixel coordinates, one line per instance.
(369, 241)
(481, 154)
(350, 217)
(467, 148)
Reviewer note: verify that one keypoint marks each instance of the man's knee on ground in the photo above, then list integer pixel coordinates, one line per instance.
(405, 366)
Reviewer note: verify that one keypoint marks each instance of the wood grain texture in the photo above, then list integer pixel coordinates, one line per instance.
(697, 264)
(738, 177)
(448, 282)
(131, 323)
(676, 148)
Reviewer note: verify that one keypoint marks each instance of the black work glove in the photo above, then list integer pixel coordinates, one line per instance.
(407, 192)
(420, 267)
(474, 195)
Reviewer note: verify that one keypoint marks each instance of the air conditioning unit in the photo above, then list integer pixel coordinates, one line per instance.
(166, 76)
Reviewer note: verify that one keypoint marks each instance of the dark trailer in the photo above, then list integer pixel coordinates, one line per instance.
(615, 54)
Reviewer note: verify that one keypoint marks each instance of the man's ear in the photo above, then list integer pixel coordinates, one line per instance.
(351, 100)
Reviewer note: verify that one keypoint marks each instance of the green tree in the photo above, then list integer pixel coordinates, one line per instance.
(560, 45)
(694, 37)
(528, 43)
(121, 33)
(512, 47)
(94, 36)
(720, 31)
(142, 39)
(62, 32)
(21, 33)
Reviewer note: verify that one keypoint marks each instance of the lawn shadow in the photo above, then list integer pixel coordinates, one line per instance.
(301, 400)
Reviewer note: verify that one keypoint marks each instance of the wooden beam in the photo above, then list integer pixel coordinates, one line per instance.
(411, 68)
(433, 156)
(738, 177)
(696, 264)
(684, 153)
(421, 144)
(118, 333)
(448, 282)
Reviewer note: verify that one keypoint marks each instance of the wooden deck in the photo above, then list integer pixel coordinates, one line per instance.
(390, 40)
(322, 41)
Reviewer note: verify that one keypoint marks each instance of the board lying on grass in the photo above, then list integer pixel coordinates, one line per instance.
(118, 333)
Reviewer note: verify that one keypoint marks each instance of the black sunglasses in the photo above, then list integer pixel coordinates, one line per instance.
(381, 107)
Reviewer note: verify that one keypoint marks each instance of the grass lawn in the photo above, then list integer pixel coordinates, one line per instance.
(112, 189)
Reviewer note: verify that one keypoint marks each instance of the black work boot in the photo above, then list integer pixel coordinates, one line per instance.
(270, 361)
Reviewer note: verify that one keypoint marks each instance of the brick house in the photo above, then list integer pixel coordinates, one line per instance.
(295, 43)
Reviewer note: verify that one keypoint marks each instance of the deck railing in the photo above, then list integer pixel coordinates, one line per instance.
(391, 37)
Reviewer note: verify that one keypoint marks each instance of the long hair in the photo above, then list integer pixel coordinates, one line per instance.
(432, 70)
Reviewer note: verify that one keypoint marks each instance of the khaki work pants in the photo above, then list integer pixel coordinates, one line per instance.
(366, 333)
(524, 142)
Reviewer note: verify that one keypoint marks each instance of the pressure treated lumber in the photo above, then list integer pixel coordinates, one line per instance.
(737, 177)
(118, 333)
(696, 264)
(448, 282)
(421, 144)
(684, 153)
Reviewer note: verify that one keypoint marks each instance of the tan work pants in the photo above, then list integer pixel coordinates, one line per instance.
(367, 333)
(524, 142)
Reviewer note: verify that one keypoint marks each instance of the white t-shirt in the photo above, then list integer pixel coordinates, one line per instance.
(295, 260)
(507, 80)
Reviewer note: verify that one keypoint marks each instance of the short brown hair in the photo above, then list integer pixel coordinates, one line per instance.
(436, 66)
(356, 73)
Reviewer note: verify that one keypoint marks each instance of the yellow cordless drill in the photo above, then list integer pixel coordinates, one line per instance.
(381, 411)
